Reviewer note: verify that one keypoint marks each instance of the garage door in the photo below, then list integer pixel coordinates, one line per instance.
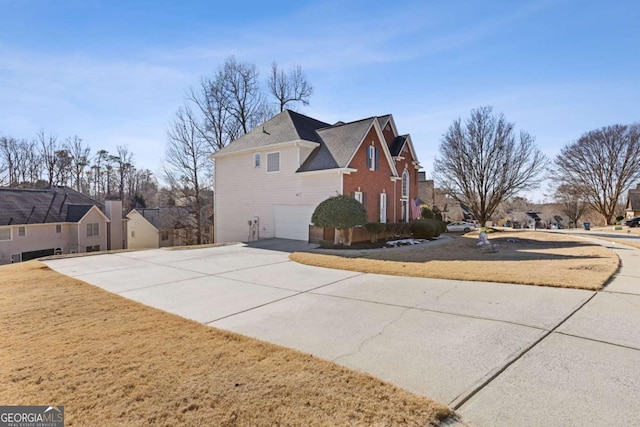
(292, 222)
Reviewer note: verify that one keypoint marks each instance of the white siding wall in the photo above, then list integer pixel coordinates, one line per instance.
(243, 192)
(38, 237)
(141, 233)
(91, 217)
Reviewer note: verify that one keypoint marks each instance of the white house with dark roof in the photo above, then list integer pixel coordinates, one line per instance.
(632, 208)
(269, 181)
(56, 220)
(160, 227)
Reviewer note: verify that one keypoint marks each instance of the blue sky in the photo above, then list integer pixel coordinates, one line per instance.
(114, 72)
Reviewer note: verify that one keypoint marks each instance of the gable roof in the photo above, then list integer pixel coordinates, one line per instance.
(168, 217)
(47, 205)
(339, 143)
(336, 144)
(286, 126)
(633, 200)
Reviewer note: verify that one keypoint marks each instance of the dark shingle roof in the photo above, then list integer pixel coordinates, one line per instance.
(397, 144)
(286, 126)
(48, 205)
(168, 217)
(338, 142)
(633, 200)
(338, 145)
(383, 120)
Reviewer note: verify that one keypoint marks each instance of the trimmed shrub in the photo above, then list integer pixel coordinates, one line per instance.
(427, 228)
(375, 228)
(342, 213)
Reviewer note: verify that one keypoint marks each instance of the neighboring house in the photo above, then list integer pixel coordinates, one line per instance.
(56, 220)
(160, 227)
(269, 181)
(633, 203)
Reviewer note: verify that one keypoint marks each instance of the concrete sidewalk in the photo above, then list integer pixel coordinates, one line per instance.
(500, 354)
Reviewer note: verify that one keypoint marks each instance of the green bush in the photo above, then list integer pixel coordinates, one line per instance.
(427, 228)
(341, 212)
(375, 228)
(425, 212)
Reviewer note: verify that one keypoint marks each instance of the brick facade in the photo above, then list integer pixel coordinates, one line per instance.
(372, 183)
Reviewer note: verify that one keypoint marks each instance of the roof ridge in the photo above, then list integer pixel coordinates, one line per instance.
(347, 123)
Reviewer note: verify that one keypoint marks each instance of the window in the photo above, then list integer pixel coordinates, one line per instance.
(58, 228)
(358, 196)
(273, 162)
(93, 229)
(133, 233)
(94, 248)
(256, 160)
(372, 158)
(405, 184)
(5, 233)
(383, 207)
(21, 231)
(164, 235)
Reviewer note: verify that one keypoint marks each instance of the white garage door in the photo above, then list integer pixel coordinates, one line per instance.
(292, 222)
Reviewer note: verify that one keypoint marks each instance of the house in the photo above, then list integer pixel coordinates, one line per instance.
(269, 181)
(56, 220)
(633, 203)
(160, 227)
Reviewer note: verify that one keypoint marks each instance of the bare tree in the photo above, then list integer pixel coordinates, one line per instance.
(217, 126)
(245, 101)
(482, 162)
(186, 159)
(572, 204)
(9, 153)
(601, 166)
(124, 165)
(48, 145)
(289, 87)
(79, 153)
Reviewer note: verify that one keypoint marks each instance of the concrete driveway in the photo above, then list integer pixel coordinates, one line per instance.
(499, 354)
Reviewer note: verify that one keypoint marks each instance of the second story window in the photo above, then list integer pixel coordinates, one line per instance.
(22, 231)
(256, 160)
(93, 229)
(372, 158)
(273, 162)
(58, 228)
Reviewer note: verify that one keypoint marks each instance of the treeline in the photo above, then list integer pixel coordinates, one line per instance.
(45, 160)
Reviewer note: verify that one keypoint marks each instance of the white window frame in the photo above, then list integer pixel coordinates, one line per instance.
(358, 196)
(22, 231)
(269, 170)
(405, 184)
(10, 234)
(383, 208)
(90, 229)
(256, 160)
(371, 158)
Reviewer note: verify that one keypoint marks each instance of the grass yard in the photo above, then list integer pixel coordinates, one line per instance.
(112, 361)
(529, 258)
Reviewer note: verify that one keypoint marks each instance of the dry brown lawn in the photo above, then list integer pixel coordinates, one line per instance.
(529, 258)
(112, 361)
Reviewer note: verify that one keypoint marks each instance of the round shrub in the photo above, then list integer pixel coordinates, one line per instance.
(341, 212)
(375, 228)
(427, 228)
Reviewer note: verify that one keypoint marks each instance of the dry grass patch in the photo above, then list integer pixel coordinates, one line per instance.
(112, 361)
(529, 258)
